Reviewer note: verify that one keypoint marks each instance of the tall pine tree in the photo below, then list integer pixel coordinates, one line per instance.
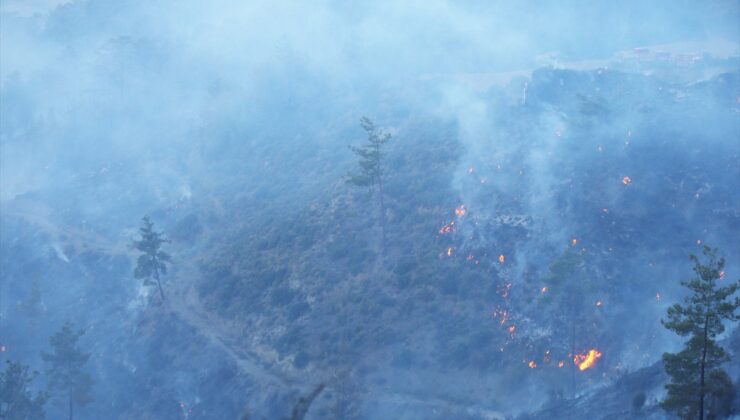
(66, 368)
(698, 384)
(371, 160)
(152, 263)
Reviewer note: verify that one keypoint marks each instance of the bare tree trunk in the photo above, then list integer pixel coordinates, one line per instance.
(703, 363)
(159, 283)
(382, 215)
(379, 169)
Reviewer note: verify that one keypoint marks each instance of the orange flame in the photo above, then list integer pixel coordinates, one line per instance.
(626, 180)
(460, 211)
(573, 242)
(449, 252)
(586, 361)
(561, 364)
(448, 228)
(532, 364)
(501, 258)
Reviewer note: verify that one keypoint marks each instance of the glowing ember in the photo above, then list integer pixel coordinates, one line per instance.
(448, 228)
(532, 364)
(586, 361)
(460, 210)
(501, 258)
(503, 314)
(561, 364)
(449, 252)
(504, 290)
(626, 180)
(512, 329)
(573, 242)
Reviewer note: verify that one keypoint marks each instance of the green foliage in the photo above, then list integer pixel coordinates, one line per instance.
(370, 157)
(152, 263)
(66, 368)
(695, 372)
(571, 285)
(17, 402)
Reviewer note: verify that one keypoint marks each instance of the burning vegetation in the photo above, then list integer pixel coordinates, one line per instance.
(587, 360)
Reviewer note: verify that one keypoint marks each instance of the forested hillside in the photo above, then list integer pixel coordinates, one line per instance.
(508, 252)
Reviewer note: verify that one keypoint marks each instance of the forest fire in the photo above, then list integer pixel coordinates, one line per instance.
(503, 290)
(626, 180)
(504, 314)
(460, 211)
(532, 364)
(448, 228)
(586, 361)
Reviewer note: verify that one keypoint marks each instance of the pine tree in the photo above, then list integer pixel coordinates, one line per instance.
(17, 402)
(697, 381)
(571, 296)
(66, 373)
(152, 263)
(370, 158)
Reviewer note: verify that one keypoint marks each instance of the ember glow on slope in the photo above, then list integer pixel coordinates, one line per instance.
(115, 109)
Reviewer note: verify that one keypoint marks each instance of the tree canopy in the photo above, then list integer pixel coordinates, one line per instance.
(17, 401)
(66, 368)
(698, 385)
(152, 263)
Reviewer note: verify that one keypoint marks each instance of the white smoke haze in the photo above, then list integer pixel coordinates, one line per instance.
(226, 116)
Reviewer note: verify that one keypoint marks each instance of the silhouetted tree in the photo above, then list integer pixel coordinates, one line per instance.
(17, 402)
(698, 384)
(66, 363)
(371, 159)
(571, 299)
(152, 263)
